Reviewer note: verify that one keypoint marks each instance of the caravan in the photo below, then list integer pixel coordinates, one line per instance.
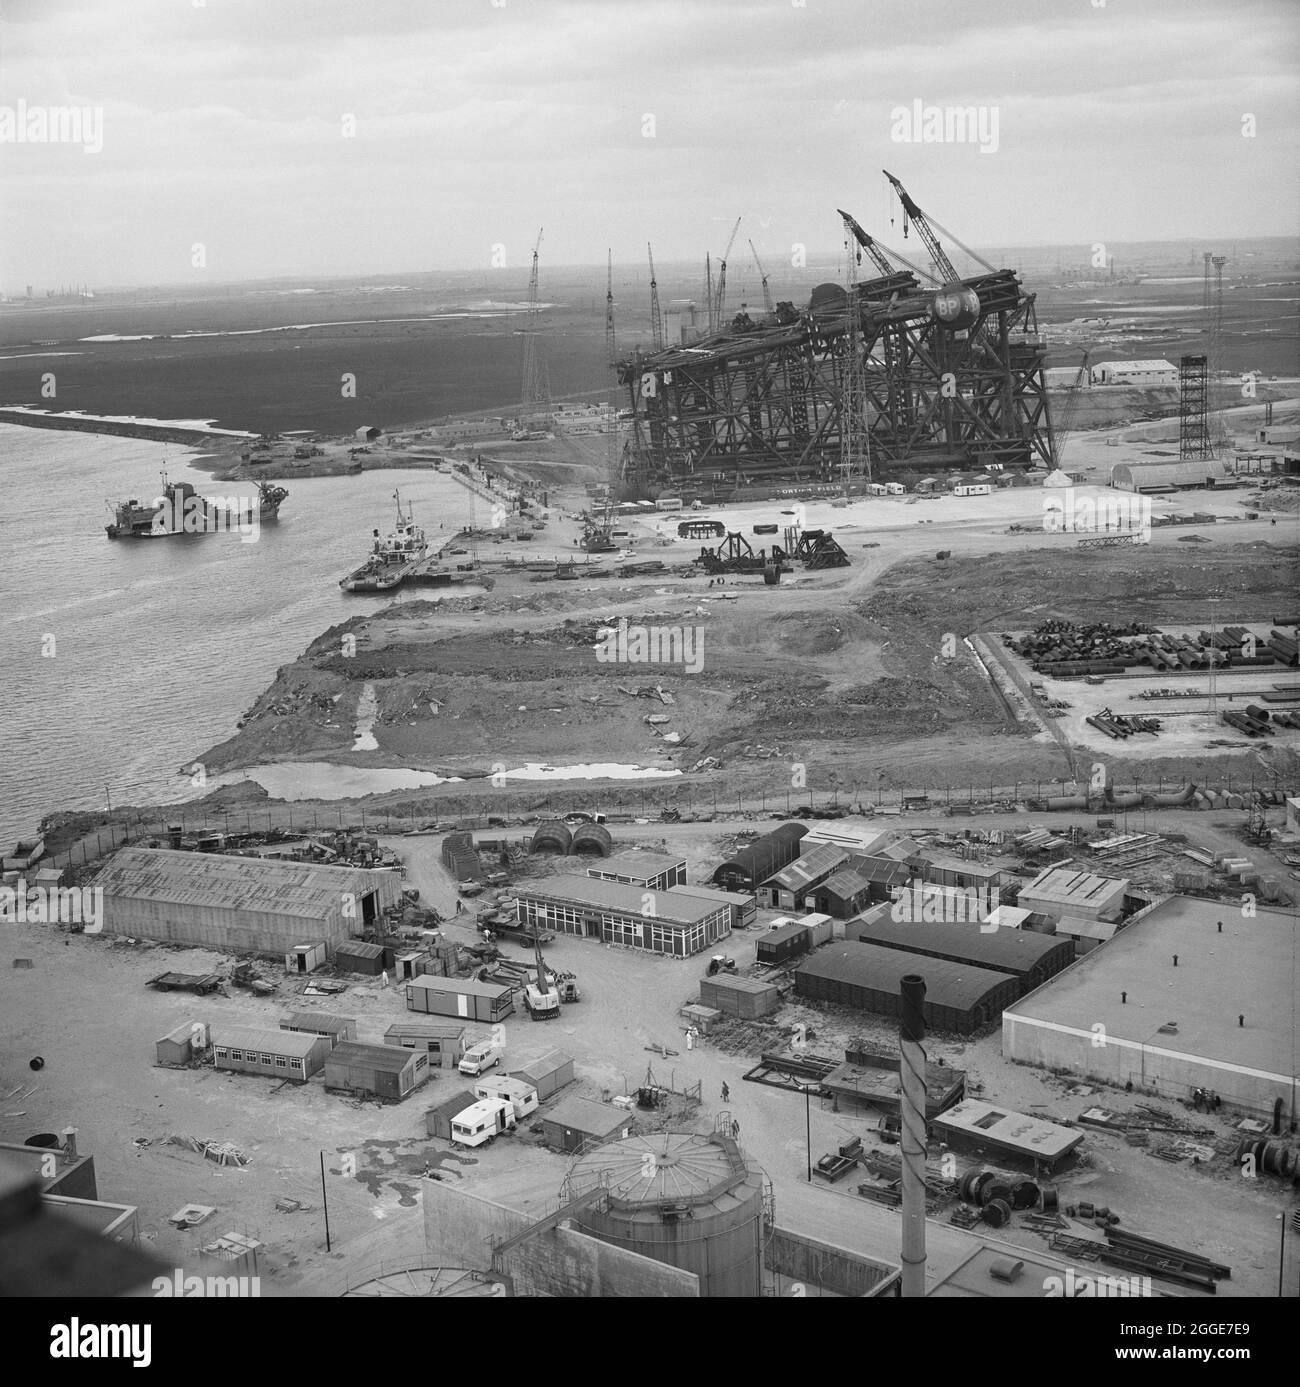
(482, 1122)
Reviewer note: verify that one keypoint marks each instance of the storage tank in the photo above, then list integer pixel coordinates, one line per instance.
(956, 308)
(689, 1201)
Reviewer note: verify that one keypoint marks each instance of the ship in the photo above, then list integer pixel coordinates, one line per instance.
(180, 510)
(392, 557)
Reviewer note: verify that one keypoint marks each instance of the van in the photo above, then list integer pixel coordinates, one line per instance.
(478, 1059)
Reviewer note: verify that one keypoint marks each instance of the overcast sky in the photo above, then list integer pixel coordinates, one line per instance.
(614, 122)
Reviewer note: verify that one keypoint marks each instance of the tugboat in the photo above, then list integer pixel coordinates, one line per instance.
(392, 557)
(180, 510)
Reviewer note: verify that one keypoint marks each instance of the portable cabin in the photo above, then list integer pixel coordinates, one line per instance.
(463, 997)
(442, 1041)
(277, 1054)
(336, 1029)
(381, 1071)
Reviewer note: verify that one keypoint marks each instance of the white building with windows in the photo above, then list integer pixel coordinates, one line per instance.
(660, 922)
(1152, 372)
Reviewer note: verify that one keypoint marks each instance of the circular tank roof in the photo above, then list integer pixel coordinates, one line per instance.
(660, 1167)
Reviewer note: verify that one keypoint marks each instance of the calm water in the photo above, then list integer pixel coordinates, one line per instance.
(158, 646)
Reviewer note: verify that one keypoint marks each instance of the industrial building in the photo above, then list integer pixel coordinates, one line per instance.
(1167, 476)
(280, 1054)
(240, 905)
(959, 997)
(744, 869)
(335, 1028)
(1066, 891)
(475, 1001)
(1150, 372)
(389, 1072)
(617, 914)
(442, 1041)
(742, 905)
(655, 871)
(577, 1122)
(1222, 1017)
(548, 1073)
(949, 871)
(790, 888)
(1030, 958)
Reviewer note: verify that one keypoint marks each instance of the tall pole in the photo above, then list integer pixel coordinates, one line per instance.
(324, 1201)
(807, 1119)
(911, 1037)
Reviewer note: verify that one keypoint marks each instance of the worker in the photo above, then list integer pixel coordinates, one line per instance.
(726, 1093)
(735, 1130)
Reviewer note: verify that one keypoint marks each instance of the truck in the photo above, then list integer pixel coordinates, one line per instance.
(482, 1122)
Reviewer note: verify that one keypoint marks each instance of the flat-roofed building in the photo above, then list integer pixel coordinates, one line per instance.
(442, 1041)
(668, 923)
(654, 871)
(295, 1055)
(1222, 1018)
(975, 1123)
(336, 1028)
(241, 905)
(1060, 891)
(742, 904)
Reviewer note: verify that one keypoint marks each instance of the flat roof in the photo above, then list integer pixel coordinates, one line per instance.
(617, 897)
(296, 1043)
(586, 1115)
(431, 1028)
(233, 883)
(792, 929)
(1011, 950)
(713, 893)
(1247, 970)
(634, 860)
(947, 984)
(388, 1059)
(730, 983)
(1069, 886)
(467, 987)
(1014, 1131)
(945, 863)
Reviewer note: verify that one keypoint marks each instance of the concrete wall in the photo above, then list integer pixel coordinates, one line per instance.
(565, 1261)
(828, 1268)
(1153, 1068)
(457, 1226)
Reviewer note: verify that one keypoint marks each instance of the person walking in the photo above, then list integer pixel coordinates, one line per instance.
(726, 1093)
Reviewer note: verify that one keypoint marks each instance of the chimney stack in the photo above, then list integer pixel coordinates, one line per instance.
(70, 1143)
(911, 1037)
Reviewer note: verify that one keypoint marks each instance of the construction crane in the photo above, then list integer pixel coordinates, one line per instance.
(925, 229)
(656, 317)
(722, 277)
(855, 442)
(1065, 423)
(537, 387)
(708, 294)
(542, 998)
(867, 244)
(767, 293)
(611, 351)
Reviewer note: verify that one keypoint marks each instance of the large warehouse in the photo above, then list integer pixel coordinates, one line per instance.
(1030, 958)
(1224, 1017)
(744, 869)
(239, 905)
(958, 997)
(666, 923)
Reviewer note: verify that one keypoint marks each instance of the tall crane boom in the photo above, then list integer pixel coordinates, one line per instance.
(721, 307)
(867, 244)
(913, 212)
(537, 387)
(767, 293)
(611, 351)
(656, 317)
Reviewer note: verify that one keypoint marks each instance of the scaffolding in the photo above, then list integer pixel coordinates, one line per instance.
(1193, 409)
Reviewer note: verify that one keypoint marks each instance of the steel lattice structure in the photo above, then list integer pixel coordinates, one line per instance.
(764, 401)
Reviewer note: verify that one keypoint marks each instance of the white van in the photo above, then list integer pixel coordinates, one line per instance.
(478, 1059)
(482, 1122)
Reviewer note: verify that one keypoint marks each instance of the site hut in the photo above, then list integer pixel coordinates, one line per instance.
(464, 997)
(356, 956)
(336, 1029)
(1066, 891)
(1030, 958)
(411, 963)
(548, 1073)
(973, 1123)
(742, 904)
(580, 1122)
(295, 1055)
(659, 922)
(380, 1071)
(1220, 1019)
(306, 958)
(442, 1041)
(951, 871)
(790, 888)
(520, 1095)
(785, 940)
(744, 997)
(744, 869)
(183, 1045)
(655, 871)
(959, 998)
(1140, 373)
(438, 1119)
(853, 888)
(239, 905)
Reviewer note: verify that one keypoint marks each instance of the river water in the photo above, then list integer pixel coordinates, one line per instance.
(122, 660)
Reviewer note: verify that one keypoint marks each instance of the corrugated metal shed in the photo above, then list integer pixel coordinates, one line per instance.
(384, 1059)
(807, 869)
(959, 997)
(1170, 476)
(762, 857)
(438, 1120)
(548, 1073)
(578, 1120)
(1033, 958)
(882, 870)
(234, 883)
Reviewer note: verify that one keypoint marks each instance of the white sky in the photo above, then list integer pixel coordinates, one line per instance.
(477, 122)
